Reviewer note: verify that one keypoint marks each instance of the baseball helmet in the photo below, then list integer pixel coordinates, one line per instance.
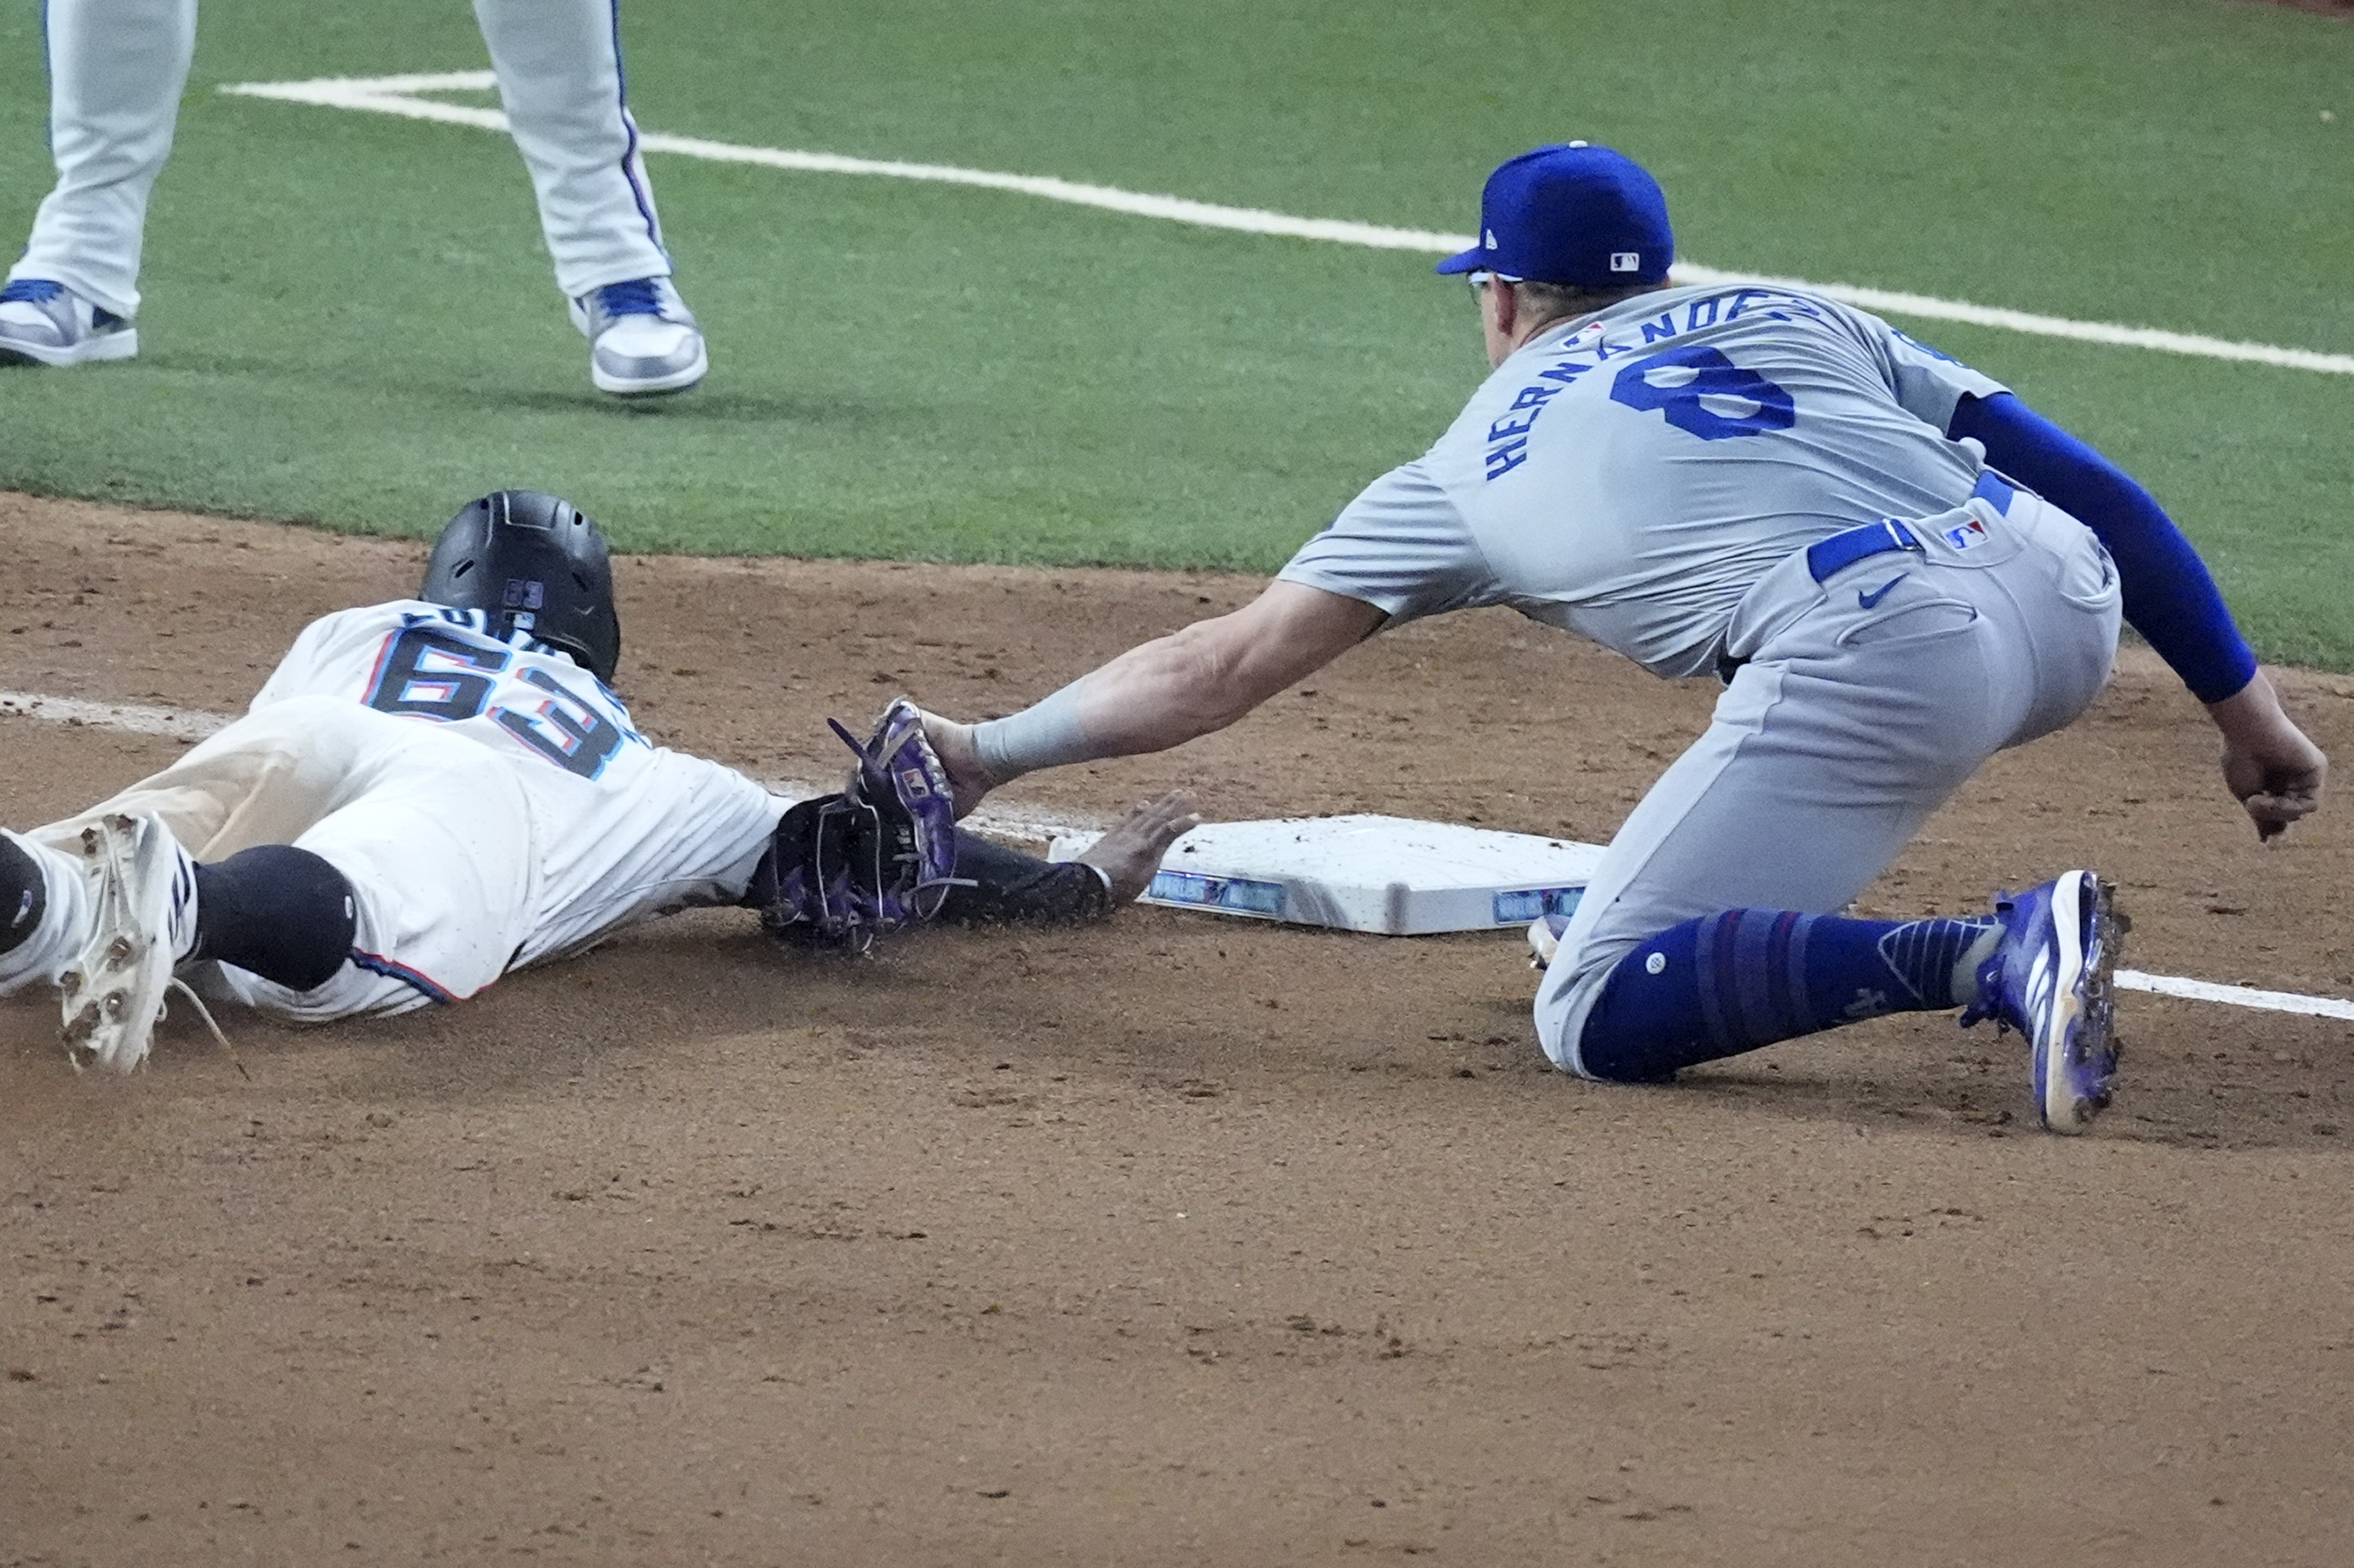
(538, 562)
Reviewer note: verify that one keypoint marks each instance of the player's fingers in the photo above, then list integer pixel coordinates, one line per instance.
(1175, 803)
(2273, 813)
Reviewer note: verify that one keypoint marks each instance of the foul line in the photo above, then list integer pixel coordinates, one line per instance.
(398, 95)
(181, 723)
(2235, 995)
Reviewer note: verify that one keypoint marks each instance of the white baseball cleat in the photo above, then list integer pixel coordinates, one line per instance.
(42, 323)
(643, 339)
(143, 921)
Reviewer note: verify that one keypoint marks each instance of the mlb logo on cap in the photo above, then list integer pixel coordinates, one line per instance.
(1575, 214)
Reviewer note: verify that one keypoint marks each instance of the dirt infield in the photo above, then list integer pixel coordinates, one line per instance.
(1176, 1241)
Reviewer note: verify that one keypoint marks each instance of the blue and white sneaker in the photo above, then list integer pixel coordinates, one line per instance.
(2050, 980)
(643, 339)
(42, 323)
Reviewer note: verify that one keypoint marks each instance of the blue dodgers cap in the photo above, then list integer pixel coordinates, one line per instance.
(1575, 214)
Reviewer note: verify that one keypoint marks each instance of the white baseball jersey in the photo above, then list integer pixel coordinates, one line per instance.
(1630, 475)
(638, 829)
(488, 799)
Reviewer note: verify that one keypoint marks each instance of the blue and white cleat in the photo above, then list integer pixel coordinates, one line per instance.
(142, 890)
(42, 323)
(642, 340)
(2050, 980)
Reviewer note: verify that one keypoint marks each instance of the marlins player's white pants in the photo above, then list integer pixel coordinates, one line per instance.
(117, 69)
(1866, 701)
(466, 859)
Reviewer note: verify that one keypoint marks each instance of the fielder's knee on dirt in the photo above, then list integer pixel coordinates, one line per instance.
(1572, 985)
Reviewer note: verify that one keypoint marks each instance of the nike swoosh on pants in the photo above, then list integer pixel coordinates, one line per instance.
(1869, 600)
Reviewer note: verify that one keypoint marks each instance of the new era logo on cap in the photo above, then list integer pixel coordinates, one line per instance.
(1489, 240)
(1626, 260)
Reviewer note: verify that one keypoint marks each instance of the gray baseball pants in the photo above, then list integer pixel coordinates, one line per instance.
(1863, 700)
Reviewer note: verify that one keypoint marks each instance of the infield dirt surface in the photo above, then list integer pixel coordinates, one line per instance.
(1177, 1240)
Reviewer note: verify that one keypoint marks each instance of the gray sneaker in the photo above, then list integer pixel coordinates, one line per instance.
(643, 339)
(42, 323)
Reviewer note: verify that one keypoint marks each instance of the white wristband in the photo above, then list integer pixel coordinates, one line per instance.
(1047, 734)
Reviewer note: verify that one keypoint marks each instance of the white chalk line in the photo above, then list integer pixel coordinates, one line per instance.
(2234, 995)
(181, 723)
(397, 95)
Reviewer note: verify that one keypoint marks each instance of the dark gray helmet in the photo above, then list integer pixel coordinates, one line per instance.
(538, 562)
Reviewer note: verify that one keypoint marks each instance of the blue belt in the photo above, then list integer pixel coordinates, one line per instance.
(1826, 557)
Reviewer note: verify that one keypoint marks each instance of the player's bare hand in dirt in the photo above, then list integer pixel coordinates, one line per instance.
(2269, 765)
(1131, 852)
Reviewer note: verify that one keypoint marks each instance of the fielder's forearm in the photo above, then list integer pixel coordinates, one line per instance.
(1175, 688)
(1159, 694)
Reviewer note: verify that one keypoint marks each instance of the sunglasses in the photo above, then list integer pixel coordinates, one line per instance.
(1481, 280)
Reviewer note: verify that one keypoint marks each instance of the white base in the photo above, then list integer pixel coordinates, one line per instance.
(1392, 875)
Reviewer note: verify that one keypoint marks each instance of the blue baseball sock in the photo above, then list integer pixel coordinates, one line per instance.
(1732, 982)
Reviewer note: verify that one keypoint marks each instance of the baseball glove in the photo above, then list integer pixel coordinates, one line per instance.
(880, 856)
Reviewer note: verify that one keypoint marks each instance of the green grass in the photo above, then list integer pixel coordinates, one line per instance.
(348, 318)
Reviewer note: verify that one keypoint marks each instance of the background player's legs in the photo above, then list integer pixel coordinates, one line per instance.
(559, 67)
(116, 71)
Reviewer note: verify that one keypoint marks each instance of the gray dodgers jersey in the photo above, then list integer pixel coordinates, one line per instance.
(1629, 475)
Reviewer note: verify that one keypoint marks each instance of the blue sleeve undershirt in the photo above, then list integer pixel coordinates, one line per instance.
(2169, 598)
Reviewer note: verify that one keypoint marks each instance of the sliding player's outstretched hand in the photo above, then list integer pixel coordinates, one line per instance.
(1130, 853)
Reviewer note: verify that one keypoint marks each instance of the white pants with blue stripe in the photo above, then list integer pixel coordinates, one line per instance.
(117, 69)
